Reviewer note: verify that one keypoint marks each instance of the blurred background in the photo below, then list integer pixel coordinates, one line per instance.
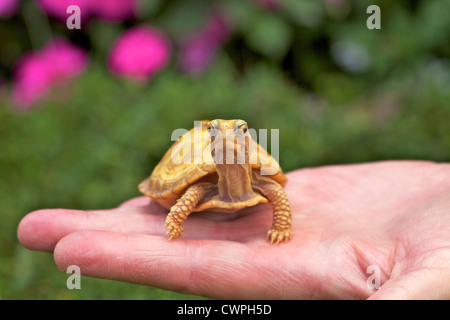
(85, 114)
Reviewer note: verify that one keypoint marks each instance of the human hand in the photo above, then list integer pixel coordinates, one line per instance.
(392, 215)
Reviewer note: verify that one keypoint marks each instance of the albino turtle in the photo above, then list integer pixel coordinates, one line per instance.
(218, 167)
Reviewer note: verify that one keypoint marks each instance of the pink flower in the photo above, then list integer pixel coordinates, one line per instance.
(139, 52)
(110, 10)
(58, 8)
(8, 7)
(67, 59)
(114, 10)
(198, 50)
(268, 4)
(37, 72)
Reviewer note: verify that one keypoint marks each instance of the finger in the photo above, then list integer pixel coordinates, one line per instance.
(219, 269)
(421, 285)
(42, 229)
(136, 202)
(428, 278)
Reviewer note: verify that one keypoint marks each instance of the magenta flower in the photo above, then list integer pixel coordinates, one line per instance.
(268, 4)
(114, 10)
(58, 8)
(8, 7)
(198, 50)
(38, 71)
(139, 52)
(110, 10)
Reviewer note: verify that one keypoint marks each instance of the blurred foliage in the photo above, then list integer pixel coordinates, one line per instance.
(338, 92)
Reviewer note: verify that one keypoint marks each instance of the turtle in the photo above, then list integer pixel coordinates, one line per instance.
(217, 166)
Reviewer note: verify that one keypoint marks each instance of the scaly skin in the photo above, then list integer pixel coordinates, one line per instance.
(282, 219)
(182, 208)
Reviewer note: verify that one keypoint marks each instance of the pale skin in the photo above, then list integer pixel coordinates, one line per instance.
(394, 215)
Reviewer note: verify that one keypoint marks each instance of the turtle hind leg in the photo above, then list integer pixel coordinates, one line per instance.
(282, 220)
(182, 208)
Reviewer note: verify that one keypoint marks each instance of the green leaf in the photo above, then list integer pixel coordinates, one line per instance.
(269, 35)
(183, 17)
(307, 13)
(148, 8)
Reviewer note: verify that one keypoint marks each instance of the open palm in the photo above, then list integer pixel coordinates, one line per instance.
(392, 216)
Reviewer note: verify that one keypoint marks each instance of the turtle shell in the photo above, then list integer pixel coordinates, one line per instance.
(189, 159)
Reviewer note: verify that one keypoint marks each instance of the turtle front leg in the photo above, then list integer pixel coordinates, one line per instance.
(182, 208)
(282, 220)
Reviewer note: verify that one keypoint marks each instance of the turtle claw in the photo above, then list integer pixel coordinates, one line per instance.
(279, 235)
(174, 229)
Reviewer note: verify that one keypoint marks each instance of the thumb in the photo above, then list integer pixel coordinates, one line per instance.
(419, 284)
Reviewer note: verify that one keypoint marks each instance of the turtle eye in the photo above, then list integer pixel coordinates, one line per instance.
(211, 129)
(242, 129)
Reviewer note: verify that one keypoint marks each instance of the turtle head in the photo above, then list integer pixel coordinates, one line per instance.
(230, 141)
